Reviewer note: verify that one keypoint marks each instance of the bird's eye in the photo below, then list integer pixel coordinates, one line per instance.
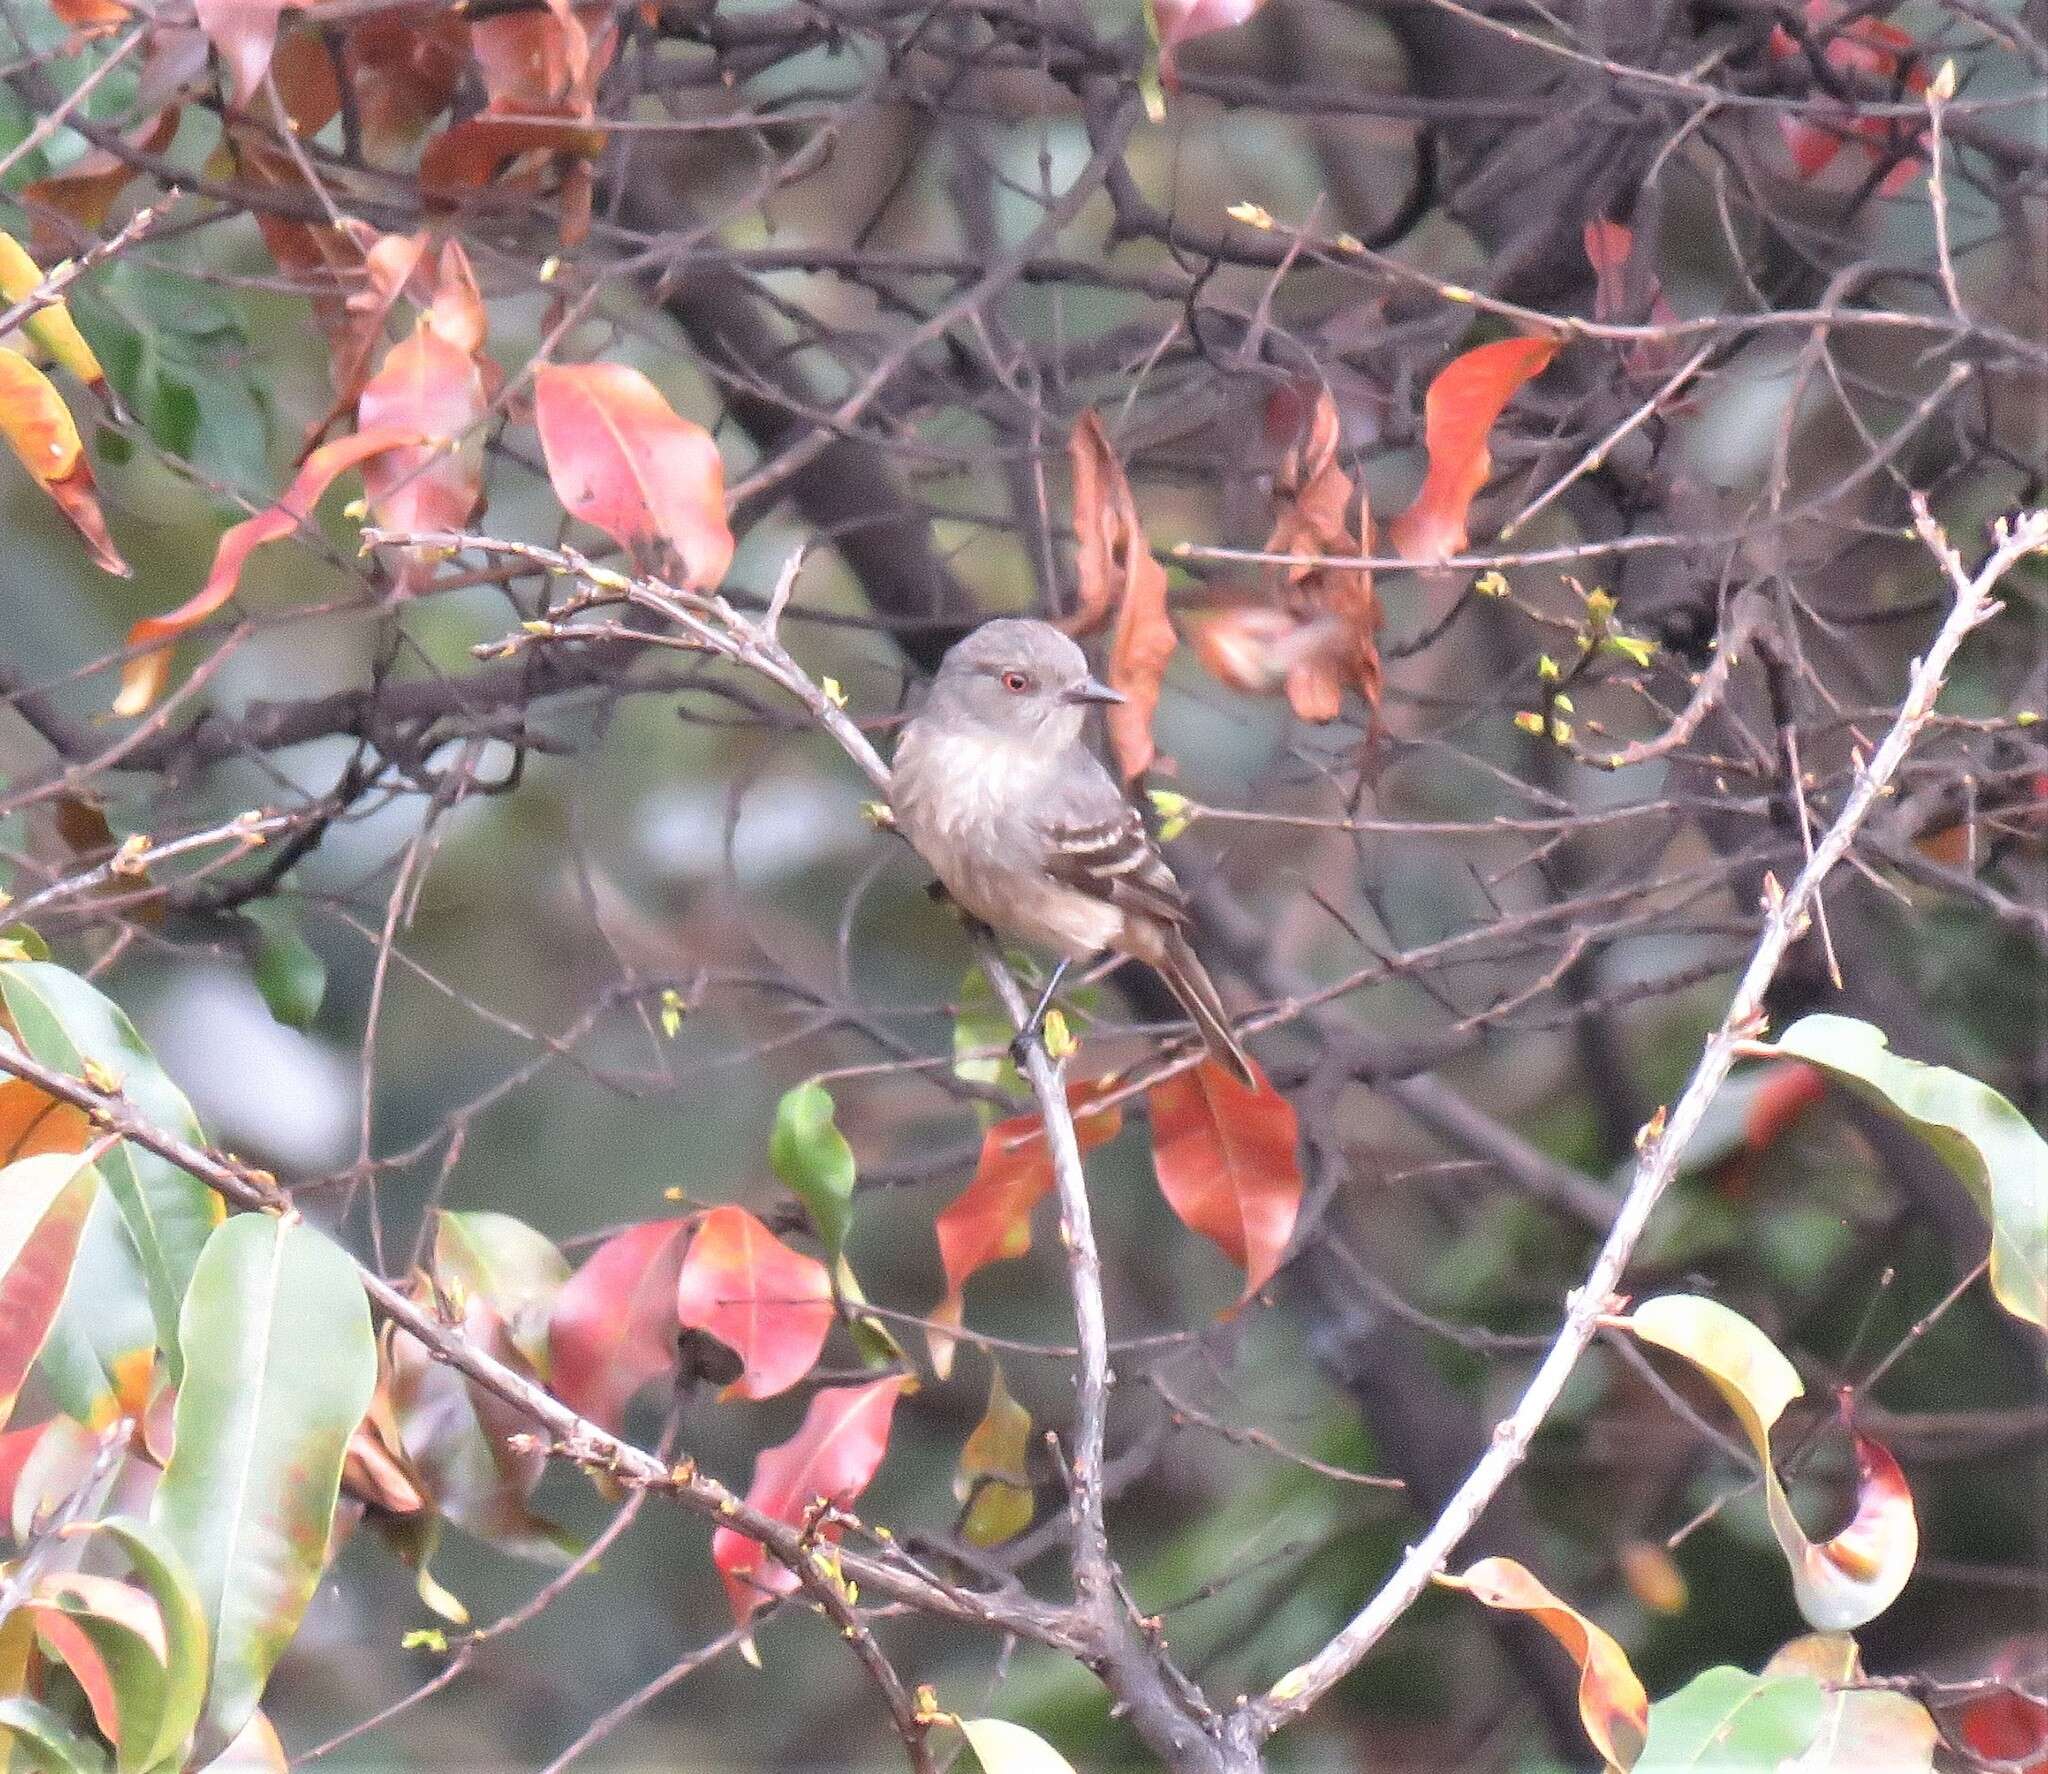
(1016, 682)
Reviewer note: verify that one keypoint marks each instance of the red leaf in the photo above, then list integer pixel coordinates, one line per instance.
(39, 429)
(990, 1220)
(770, 1305)
(404, 69)
(1464, 400)
(36, 1257)
(833, 1454)
(244, 32)
(144, 676)
(1789, 1089)
(2007, 1728)
(614, 1322)
(621, 459)
(1180, 21)
(431, 384)
(1225, 1158)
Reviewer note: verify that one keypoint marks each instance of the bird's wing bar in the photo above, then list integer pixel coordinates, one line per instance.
(1114, 859)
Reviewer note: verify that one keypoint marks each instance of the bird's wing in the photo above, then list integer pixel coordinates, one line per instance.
(1098, 844)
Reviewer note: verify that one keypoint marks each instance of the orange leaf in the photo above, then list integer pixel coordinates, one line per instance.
(1100, 493)
(245, 33)
(770, 1305)
(990, 1219)
(88, 188)
(1612, 1704)
(39, 429)
(1225, 1158)
(543, 63)
(1464, 400)
(303, 72)
(831, 1457)
(482, 150)
(1116, 572)
(143, 677)
(83, 14)
(1339, 613)
(620, 458)
(32, 1123)
(613, 1325)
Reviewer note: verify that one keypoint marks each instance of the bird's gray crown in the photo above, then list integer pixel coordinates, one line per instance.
(1015, 677)
(1018, 643)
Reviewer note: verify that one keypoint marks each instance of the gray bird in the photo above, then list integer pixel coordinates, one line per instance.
(1027, 830)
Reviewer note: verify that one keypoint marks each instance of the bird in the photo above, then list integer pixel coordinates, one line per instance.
(1026, 829)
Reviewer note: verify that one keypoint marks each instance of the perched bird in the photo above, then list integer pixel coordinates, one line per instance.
(1027, 830)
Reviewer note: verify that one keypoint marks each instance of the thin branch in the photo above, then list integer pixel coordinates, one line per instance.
(1662, 1146)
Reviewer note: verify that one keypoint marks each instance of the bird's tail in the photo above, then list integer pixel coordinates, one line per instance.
(1189, 982)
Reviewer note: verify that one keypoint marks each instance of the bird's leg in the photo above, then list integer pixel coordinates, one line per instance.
(1036, 1021)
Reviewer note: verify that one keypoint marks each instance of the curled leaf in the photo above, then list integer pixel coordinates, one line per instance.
(143, 678)
(1840, 1582)
(1612, 1704)
(39, 429)
(1118, 576)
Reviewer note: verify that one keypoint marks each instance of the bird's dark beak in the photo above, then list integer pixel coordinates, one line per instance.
(1090, 690)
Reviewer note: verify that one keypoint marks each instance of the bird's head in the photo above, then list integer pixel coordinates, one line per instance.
(1018, 679)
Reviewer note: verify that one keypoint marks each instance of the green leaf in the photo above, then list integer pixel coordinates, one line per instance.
(280, 1365)
(1727, 1721)
(1004, 1748)
(68, 1024)
(97, 1358)
(993, 1478)
(43, 1206)
(162, 1571)
(812, 1158)
(53, 1746)
(288, 969)
(981, 1036)
(1988, 1143)
(505, 1262)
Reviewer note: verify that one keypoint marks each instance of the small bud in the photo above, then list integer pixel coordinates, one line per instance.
(1529, 720)
(1548, 669)
(1059, 1039)
(1942, 87)
(672, 1008)
(1491, 583)
(1250, 214)
(834, 692)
